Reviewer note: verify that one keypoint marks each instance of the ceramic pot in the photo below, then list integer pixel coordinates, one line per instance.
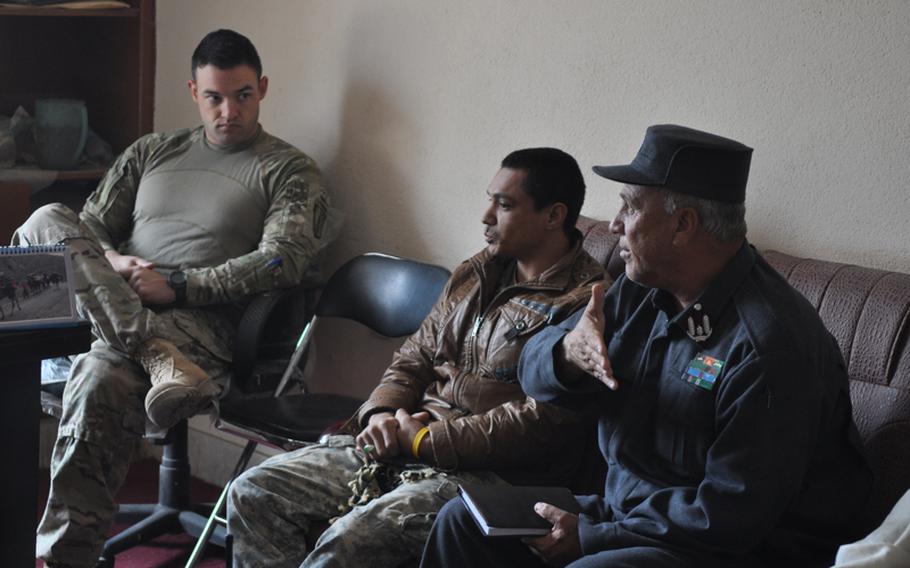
(61, 128)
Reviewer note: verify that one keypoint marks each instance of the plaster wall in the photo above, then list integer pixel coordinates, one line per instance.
(410, 105)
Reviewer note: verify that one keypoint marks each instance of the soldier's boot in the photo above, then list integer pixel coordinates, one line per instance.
(180, 388)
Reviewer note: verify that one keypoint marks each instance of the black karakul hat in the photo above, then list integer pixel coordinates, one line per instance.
(687, 161)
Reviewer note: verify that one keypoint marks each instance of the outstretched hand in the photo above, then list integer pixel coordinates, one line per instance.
(584, 346)
(561, 545)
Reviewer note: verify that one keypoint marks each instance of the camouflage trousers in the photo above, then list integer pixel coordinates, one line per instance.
(274, 506)
(103, 403)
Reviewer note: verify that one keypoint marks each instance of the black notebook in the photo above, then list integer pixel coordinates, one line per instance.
(508, 510)
(36, 288)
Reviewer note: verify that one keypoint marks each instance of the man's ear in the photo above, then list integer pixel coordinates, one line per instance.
(194, 93)
(263, 86)
(557, 216)
(687, 225)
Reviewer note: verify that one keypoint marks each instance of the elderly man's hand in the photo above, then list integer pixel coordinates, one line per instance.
(152, 287)
(584, 346)
(562, 545)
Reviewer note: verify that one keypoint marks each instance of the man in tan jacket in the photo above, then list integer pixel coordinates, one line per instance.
(449, 408)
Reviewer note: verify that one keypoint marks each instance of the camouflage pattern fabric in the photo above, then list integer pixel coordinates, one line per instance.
(238, 221)
(103, 412)
(102, 296)
(304, 489)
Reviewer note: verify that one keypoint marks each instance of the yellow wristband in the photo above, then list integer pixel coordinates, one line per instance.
(415, 447)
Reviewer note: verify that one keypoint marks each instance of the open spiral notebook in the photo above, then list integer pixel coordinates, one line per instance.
(36, 288)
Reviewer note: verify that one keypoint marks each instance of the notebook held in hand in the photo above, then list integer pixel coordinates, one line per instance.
(508, 510)
(36, 288)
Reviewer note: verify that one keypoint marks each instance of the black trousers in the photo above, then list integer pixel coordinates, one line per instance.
(456, 542)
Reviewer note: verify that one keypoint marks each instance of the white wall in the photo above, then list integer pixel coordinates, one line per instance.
(410, 105)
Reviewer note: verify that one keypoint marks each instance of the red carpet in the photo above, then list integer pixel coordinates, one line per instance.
(169, 551)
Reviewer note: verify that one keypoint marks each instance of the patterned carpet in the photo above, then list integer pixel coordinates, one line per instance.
(170, 551)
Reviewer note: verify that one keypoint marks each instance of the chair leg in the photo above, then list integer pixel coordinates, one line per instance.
(229, 551)
(215, 516)
(173, 513)
(158, 523)
(134, 512)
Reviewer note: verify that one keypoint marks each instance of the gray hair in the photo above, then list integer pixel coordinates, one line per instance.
(723, 221)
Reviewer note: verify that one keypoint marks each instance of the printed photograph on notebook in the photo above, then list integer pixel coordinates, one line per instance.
(36, 288)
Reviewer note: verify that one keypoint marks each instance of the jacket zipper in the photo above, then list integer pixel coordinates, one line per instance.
(471, 350)
(478, 320)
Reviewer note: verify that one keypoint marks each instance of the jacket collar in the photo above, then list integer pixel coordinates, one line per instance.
(231, 148)
(698, 318)
(558, 277)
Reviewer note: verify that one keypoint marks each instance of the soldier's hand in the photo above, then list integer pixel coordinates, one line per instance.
(125, 264)
(562, 545)
(408, 426)
(380, 437)
(152, 287)
(584, 346)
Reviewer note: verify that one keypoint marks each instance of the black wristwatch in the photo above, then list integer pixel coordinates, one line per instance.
(177, 281)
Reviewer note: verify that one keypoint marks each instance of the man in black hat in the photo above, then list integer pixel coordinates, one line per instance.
(725, 416)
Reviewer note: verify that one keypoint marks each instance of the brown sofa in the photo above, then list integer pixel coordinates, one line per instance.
(868, 313)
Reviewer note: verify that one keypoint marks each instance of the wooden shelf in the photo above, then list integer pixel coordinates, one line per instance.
(103, 57)
(69, 12)
(74, 175)
(108, 62)
(68, 175)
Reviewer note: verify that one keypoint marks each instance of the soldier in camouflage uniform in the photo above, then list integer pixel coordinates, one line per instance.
(449, 409)
(183, 227)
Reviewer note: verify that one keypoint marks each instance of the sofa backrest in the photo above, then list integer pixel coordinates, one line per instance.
(868, 313)
(601, 244)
